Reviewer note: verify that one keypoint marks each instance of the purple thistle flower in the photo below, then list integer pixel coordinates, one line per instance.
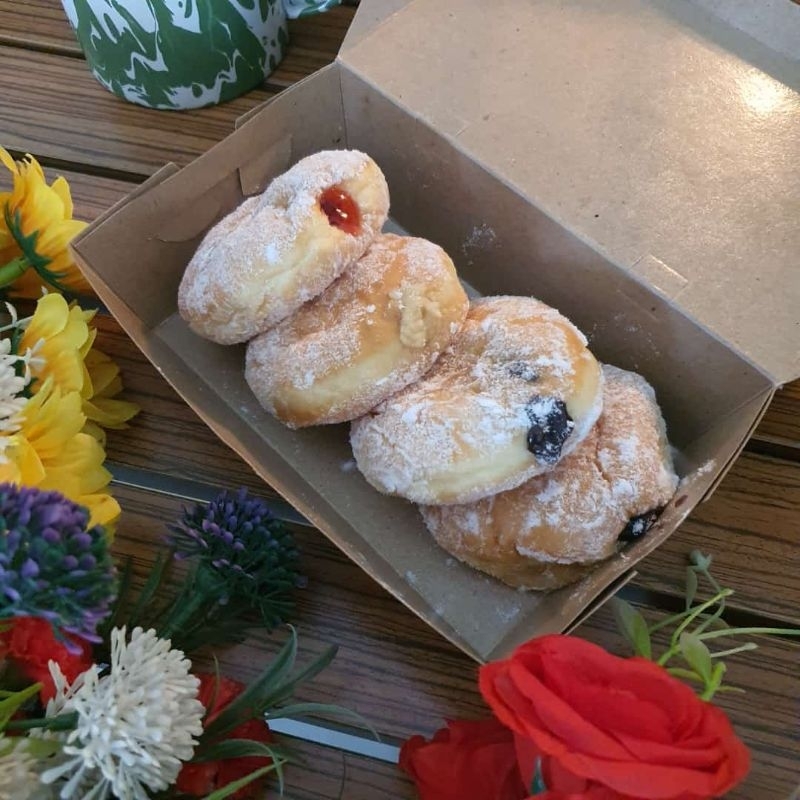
(51, 566)
(252, 554)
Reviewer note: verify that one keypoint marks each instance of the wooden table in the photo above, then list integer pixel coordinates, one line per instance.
(390, 667)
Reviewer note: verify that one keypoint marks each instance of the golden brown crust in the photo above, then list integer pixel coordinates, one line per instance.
(556, 527)
(461, 432)
(376, 329)
(277, 251)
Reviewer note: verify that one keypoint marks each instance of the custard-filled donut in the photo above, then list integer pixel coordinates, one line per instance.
(377, 328)
(553, 529)
(517, 390)
(280, 249)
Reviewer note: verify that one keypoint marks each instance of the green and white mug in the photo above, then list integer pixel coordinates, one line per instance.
(177, 54)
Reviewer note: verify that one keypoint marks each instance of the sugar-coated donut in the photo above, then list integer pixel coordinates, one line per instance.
(517, 390)
(278, 250)
(553, 529)
(381, 325)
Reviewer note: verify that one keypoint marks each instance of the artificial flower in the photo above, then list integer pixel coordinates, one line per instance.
(135, 725)
(36, 227)
(63, 340)
(625, 724)
(29, 644)
(19, 779)
(237, 538)
(465, 761)
(52, 563)
(200, 779)
(12, 399)
(50, 451)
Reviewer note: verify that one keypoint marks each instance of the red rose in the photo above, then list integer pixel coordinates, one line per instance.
(203, 778)
(622, 723)
(465, 761)
(30, 643)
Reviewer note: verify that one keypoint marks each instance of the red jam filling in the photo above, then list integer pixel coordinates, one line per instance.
(341, 210)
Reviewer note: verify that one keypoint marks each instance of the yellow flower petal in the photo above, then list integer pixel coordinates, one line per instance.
(61, 188)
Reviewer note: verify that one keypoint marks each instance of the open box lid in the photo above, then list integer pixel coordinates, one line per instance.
(660, 135)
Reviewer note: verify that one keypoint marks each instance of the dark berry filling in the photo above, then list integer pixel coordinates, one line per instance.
(638, 526)
(551, 426)
(341, 210)
(523, 370)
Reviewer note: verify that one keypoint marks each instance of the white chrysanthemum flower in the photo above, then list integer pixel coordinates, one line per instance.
(19, 779)
(11, 388)
(136, 725)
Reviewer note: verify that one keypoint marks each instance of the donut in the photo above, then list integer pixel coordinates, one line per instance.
(380, 326)
(282, 248)
(515, 392)
(556, 527)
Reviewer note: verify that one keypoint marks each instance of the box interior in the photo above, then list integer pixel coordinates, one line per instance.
(501, 244)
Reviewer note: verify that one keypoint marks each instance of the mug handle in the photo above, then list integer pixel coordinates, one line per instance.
(305, 8)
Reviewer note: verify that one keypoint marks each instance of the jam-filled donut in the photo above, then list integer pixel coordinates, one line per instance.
(377, 328)
(517, 390)
(553, 529)
(280, 249)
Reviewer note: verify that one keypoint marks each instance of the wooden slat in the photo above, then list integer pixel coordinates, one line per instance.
(750, 524)
(781, 424)
(405, 679)
(328, 774)
(37, 24)
(52, 107)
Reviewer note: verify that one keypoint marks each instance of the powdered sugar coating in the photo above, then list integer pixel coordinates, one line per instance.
(277, 251)
(459, 434)
(378, 327)
(544, 533)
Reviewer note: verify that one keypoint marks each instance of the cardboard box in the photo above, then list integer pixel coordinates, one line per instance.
(634, 165)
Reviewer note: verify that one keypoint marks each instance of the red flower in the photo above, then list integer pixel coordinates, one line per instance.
(620, 723)
(465, 761)
(30, 643)
(203, 778)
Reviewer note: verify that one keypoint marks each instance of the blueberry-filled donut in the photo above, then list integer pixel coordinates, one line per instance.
(516, 391)
(380, 326)
(556, 527)
(282, 248)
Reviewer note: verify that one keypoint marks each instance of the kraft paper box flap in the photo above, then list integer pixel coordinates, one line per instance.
(661, 136)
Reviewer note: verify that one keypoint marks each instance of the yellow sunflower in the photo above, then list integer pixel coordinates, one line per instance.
(36, 227)
(62, 341)
(51, 451)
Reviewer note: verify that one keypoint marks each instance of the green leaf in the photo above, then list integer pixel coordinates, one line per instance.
(249, 704)
(685, 674)
(633, 627)
(14, 700)
(697, 656)
(691, 587)
(232, 788)
(240, 748)
(149, 589)
(285, 692)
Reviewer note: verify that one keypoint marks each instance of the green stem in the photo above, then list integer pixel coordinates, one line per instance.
(674, 641)
(739, 631)
(63, 722)
(13, 269)
(733, 650)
